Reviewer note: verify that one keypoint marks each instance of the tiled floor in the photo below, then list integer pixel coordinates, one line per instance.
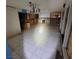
(16, 46)
(39, 42)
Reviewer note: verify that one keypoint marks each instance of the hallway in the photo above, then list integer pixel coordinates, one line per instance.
(39, 29)
(39, 42)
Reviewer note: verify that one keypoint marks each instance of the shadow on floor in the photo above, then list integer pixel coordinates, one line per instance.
(58, 56)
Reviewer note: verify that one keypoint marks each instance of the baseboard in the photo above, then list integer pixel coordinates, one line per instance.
(14, 35)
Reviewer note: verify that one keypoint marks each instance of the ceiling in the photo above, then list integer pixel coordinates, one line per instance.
(44, 5)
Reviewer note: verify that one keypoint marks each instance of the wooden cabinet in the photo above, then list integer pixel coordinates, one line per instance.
(31, 18)
(55, 18)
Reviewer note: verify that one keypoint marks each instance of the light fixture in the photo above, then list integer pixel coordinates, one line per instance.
(33, 7)
(30, 4)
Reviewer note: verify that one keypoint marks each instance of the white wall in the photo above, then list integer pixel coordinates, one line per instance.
(44, 13)
(12, 21)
